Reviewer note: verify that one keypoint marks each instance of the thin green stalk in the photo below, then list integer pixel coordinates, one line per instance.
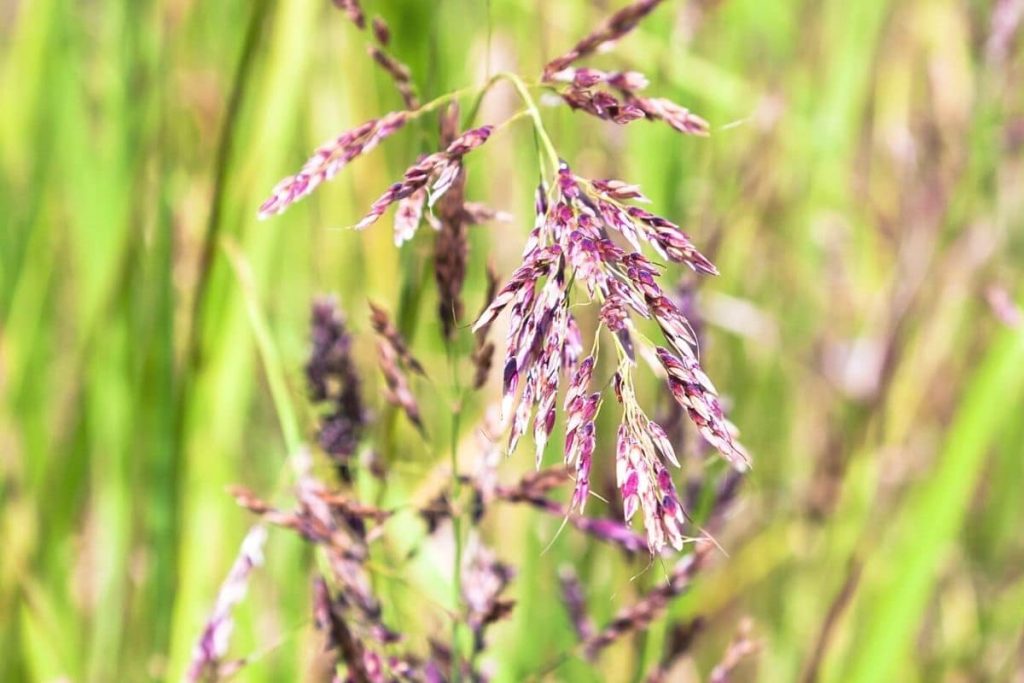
(534, 112)
(225, 150)
(531, 110)
(456, 509)
(283, 406)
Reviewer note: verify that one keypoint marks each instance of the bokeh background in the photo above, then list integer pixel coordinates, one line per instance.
(862, 194)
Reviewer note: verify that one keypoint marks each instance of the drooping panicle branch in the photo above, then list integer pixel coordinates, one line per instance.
(399, 73)
(395, 361)
(613, 28)
(436, 173)
(212, 646)
(639, 615)
(644, 482)
(615, 96)
(386, 330)
(353, 10)
(329, 158)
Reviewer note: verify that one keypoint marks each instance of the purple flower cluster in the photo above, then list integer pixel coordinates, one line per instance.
(408, 215)
(615, 96)
(580, 410)
(620, 101)
(212, 646)
(330, 158)
(586, 246)
(434, 173)
(571, 248)
(611, 29)
(644, 483)
(334, 383)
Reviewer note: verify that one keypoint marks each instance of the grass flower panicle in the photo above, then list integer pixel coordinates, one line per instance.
(398, 393)
(586, 247)
(569, 249)
(436, 173)
(623, 103)
(212, 646)
(330, 158)
(334, 382)
(399, 73)
(353, 10)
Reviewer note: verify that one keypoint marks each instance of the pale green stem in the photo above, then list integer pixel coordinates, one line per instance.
(534, 113)
(456, 512)
(523, 90)
(283, 406)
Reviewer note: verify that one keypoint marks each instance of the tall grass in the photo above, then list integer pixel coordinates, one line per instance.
(861, 188)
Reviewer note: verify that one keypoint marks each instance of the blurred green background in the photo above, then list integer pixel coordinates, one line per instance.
(862, 195)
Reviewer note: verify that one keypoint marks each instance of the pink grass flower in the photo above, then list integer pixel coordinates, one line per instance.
(583, 89)
(212, 645)
(436, 173)
(330, 158)
(571, 249)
